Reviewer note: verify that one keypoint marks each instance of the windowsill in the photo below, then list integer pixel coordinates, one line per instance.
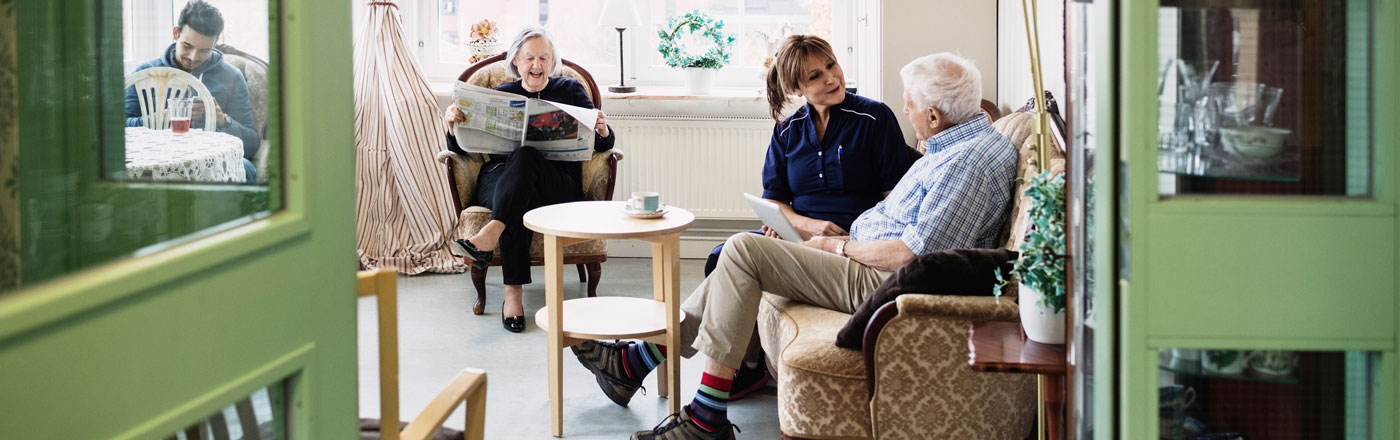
(673, 93)
(662, 100)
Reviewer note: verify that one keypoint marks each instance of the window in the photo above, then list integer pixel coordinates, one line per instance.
(442, 26)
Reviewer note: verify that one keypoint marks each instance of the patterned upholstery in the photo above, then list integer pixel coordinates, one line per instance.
(256, 75)
(923, 385)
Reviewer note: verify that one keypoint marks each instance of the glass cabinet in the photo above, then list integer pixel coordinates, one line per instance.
(1233, 219)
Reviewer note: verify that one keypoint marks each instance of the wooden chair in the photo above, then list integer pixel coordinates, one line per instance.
(469, 386)
(156, 84)
(599, 179)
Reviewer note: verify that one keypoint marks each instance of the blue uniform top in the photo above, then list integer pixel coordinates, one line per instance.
(861, 155)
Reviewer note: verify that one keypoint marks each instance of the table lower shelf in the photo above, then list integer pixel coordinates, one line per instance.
(610, 318)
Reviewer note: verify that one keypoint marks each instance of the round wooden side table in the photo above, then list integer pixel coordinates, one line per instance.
(656, 320)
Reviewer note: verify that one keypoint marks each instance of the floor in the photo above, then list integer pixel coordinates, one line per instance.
(438, 336)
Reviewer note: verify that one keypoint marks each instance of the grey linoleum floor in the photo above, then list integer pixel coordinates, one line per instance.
(438, 336)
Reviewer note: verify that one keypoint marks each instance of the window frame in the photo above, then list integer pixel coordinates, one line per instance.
(849, 24)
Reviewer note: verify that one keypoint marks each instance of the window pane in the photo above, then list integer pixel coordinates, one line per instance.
(574, 25)
(1268, 99)
(759, 27)
(260, 416)
(100, 171)
(1265, 393)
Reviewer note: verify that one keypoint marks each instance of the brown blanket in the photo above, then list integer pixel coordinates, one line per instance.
(961, 272)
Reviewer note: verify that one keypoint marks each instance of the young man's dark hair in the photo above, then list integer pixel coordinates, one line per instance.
(203, 18)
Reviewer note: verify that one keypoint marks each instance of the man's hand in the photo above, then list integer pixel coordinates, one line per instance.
(197, 114)
(602, 126)
(819, 228)
(770, 233)
(826, 244)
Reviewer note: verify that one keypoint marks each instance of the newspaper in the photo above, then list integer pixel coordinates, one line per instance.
(498, 123)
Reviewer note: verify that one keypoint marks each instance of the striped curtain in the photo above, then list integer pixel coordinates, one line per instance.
(405, 214)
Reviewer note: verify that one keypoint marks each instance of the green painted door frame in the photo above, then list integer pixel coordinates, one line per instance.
(1232, 272)
(143, 346)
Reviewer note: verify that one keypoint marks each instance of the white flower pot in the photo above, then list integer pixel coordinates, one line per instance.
(698, 81)
(1041, 324)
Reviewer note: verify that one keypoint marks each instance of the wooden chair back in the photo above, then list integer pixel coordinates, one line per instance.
(579, 73)
(468, 386)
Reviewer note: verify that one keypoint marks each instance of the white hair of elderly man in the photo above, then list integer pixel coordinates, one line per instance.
(946, 81)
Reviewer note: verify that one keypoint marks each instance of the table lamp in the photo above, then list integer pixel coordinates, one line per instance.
(620, 14)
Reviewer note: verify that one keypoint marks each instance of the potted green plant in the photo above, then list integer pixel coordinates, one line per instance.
(1041, 267)
(696, 43)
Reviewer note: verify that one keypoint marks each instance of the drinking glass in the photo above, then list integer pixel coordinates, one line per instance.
(179, 109)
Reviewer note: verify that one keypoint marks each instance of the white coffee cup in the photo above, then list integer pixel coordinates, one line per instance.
(644, 201)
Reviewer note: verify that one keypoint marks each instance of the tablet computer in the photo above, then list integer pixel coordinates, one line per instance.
(773, 217)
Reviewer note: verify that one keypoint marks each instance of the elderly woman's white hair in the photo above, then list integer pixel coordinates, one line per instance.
(525, 35)
(945, 81)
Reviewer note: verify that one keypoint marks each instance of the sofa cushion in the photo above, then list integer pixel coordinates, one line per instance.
(823, 391)
(957, 272)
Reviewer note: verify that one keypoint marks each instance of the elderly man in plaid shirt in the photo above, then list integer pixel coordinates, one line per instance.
(956, 196)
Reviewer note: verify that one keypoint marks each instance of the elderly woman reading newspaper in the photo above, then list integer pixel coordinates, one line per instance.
(513, 184)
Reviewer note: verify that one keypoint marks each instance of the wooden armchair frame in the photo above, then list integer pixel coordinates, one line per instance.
(469, 386)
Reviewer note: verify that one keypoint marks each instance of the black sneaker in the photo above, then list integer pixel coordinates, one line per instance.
(681, 427)
(750, 379)
(605, 360)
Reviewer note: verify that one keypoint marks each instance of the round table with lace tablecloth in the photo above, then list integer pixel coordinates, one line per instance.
(196, 156)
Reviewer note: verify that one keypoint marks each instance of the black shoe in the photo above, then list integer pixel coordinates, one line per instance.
(464, 248)
(749, 379)
(513, 324)
(604, 359)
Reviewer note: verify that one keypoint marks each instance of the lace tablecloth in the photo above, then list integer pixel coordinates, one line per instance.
(196, 156)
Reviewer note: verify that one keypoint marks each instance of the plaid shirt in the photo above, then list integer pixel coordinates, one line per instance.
(955, 197)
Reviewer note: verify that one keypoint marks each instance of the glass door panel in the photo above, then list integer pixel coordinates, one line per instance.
(1274, 394)
(1249, 97)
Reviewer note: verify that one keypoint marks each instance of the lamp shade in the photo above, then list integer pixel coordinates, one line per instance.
(619, 14)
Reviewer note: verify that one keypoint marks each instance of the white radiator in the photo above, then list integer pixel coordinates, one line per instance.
(700, 163)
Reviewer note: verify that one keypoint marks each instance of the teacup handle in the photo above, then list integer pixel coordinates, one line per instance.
(1189, 396)
(633, 202)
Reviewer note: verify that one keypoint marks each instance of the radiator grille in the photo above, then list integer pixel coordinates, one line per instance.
(700, 163)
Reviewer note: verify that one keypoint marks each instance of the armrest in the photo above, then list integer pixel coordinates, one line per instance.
(468, 386)
(462, 171)
(600, 175)
(951, 309)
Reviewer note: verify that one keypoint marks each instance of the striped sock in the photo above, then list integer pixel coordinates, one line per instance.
(639, 358)
(710, 409)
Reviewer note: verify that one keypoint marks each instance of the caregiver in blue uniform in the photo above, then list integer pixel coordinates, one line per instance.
(831, 160)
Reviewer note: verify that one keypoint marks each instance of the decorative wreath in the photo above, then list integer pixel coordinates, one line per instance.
(694, 23)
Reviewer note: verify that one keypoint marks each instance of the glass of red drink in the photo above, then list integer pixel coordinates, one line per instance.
(179, 109)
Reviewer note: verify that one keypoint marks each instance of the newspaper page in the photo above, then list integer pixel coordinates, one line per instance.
(498, 123)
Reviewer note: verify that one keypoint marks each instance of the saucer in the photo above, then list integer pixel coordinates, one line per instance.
(663, 209)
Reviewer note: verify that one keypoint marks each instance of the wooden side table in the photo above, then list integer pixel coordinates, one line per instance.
(657, 320)
(1001, 347)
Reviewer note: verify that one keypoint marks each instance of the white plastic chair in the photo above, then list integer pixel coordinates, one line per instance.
(156, 84)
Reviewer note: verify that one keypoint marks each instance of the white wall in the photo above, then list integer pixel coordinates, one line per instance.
(914, 28)
(1014, 85)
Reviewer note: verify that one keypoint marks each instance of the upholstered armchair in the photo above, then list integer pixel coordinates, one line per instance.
(911, 380)
(599, 178)
(255, 73)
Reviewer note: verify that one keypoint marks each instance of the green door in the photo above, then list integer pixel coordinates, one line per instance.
(137, 306)
(1257, 291)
